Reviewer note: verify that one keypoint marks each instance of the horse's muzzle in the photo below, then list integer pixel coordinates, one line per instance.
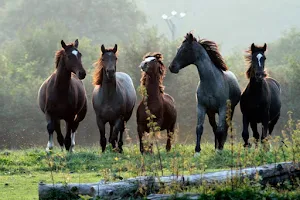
(81, 75)
(173, 69)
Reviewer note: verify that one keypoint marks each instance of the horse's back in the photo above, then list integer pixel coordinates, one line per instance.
(234, 88)
(125, 82)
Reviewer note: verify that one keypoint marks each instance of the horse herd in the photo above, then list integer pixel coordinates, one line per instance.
(62, 96)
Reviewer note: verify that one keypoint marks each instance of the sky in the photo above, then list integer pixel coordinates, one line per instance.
(234, 24)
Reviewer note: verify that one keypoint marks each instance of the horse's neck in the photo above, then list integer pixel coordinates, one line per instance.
(109, 86)
(208, 73)
(63, 77)
(256, 87)
(153, 90)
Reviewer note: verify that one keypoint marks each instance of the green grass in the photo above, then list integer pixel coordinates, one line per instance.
(22, 170)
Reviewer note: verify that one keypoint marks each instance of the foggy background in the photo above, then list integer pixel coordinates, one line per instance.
(31, 30)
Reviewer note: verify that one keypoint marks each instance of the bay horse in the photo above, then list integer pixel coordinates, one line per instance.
(217, 85)
(260, 101)
(159, 103)
(113, 99)
(62, 96)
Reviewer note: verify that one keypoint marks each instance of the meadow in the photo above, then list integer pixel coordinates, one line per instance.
(22, 170)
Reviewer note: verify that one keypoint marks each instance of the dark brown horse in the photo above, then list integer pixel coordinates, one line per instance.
(260, 102)
(62, 96)
(114, 98)
(159, 103)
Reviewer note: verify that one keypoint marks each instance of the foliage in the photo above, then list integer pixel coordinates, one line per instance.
(89, 18)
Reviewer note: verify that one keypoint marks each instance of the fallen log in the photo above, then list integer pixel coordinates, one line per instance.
(272, 173)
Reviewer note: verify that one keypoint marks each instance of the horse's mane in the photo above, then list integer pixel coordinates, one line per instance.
(212, 50)
(248, 60)
(60, 53)
(98, 73)
(159, 58)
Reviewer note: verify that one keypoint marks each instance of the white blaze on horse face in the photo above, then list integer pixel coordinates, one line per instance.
(148, 59)
(74, 52)
(259, 56)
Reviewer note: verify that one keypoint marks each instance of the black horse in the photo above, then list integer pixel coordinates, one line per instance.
(260, 102)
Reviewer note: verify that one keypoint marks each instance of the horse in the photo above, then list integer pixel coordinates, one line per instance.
(160, 104)
(62, 96)
(113, 98)
(217, 85)
(260, 101)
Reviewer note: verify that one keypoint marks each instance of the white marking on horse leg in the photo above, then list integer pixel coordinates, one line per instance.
(197, 154)
(50, 143)
(259, 56)
(72, 141)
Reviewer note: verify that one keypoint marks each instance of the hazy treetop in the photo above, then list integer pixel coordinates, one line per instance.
(230, 23)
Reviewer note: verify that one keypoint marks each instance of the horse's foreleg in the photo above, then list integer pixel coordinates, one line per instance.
(255, 131)
(101, 127)
(140, 131)
(50, 129)
(118, 127)
(245, 133)
(265, 124)
(60, 137)
(120, 142)
(212, 122)
(68, 135)
(170, 135)
(201, 111)
(73, 133)
(222, 127)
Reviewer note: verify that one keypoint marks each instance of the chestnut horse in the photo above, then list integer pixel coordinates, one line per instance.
(114, 98)
(160, 104)
(62, 96)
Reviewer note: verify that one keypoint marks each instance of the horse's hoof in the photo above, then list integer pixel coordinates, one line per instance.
(197, 154)
(247, 145)
(219, 151)
(49, 149)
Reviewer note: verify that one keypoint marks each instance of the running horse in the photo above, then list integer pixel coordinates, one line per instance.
(114, 98)
(260, 101)
(62, 96)
(160, 104)
(217, 85)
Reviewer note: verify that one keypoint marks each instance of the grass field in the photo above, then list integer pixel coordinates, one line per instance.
(22, 170)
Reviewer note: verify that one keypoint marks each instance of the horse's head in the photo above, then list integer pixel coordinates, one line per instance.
(109, 61)
(258, 62)
(152, 65)
(185, 54)
(73, 59)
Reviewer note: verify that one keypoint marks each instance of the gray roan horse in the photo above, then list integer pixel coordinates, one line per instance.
(260, 102)
(114, 98)
(62, 96)
(216, 86)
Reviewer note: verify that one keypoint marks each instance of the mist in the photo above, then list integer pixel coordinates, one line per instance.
(31, 31)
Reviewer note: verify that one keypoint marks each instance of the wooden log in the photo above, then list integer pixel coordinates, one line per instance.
(272, 173)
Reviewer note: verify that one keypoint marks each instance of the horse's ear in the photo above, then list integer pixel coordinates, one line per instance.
(103, 49)
(265, 47)
(76, 43)
(63, 44)
(252, 47)
(115, 49)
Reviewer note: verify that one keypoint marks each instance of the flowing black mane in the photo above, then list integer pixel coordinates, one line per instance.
(212, 50)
